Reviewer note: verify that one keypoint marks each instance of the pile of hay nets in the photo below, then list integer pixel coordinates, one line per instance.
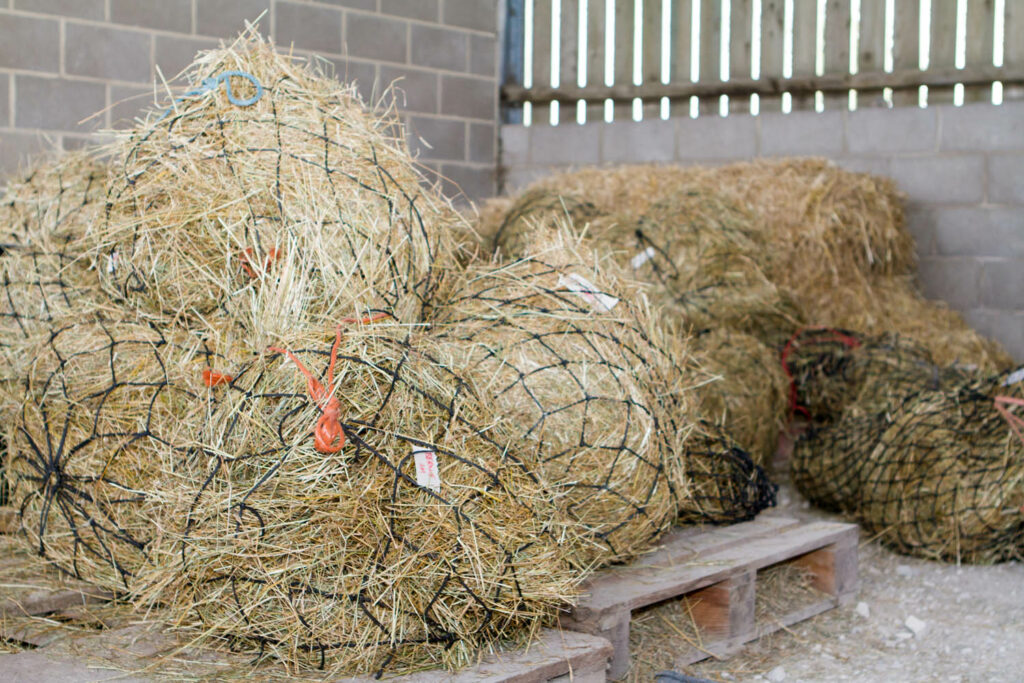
(929, 458)
(252, 385)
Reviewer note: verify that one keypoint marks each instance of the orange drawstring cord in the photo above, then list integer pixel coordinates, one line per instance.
(1004, 404)
(212, 378)
(245, 257)
(367, 320)
(328, 436)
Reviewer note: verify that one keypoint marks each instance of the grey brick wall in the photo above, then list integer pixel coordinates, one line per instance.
(61, 61)
(961, 167)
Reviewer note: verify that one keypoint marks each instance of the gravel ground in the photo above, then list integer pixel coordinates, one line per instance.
(913, 620)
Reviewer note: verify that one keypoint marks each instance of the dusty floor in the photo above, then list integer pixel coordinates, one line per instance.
(973, 625)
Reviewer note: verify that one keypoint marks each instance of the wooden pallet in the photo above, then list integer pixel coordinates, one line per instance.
(718, 569)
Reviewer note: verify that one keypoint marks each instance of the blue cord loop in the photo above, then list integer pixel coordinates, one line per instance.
(213, 82)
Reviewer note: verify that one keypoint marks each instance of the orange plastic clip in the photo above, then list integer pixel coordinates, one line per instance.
(212, 378)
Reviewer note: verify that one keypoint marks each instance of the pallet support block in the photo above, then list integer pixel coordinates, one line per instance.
(716, 570)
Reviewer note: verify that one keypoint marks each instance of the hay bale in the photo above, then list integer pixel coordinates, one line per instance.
(946, 480)
(748, 395)
(42, 274)
(357, 560)
(726, 486)
(589, 385)
(851, 387)
(98, 417)
(507, 232)
(209, 196)
(894, 304)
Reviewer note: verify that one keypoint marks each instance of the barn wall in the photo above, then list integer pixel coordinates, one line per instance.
(61, 61)
(961, 167)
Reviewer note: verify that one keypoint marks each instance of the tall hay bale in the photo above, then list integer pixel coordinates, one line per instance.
(99, 413)
(748, 396)
(946, 480)
(597, 393)
(356, 560)
(208, 197)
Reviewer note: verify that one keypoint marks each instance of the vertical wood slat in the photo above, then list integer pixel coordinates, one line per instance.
(710, 51)
(980, 37)
(837, 48)
(773, 17)
(679, 62)
(541, 57)
(651, 71)
(805, 22)
(740, 16)
(906, 41)
(596, 29)
(623, 53)
(942, 52)
(871, 49)
(568, 64)
(1013, 44)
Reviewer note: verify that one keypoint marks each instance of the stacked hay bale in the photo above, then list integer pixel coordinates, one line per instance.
(830, 248)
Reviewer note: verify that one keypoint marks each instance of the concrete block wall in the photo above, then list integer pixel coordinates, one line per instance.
(961, 167)
(61, 61)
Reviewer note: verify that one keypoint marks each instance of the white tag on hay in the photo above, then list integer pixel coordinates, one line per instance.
(427, 474)
(643, 257)
(602, 303)
(1015, 377)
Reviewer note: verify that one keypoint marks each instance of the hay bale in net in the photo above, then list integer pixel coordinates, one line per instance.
(596, 392)
(99, 414)
(946, 480)
(410, 538)
(851, 387)
(748, 395)
(43, 215)
(508, 232)
(260, 159)
(726, 486)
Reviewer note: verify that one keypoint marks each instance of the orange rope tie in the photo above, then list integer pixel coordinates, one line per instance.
(1004, 404)
(328, 436)
(367, 320)
(245, 257)
(212, 378)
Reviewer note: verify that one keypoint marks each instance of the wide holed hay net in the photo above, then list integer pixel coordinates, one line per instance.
(422, 539)
(42, 216)
(263, 158)
(589, 386)
(99, 415)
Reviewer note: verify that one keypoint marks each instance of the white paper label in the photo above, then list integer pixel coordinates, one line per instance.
(602, 303)
(1016, 376)
(427, 474)
(643, 257)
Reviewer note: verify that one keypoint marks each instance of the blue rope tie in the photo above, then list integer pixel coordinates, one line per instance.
(213, 82)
